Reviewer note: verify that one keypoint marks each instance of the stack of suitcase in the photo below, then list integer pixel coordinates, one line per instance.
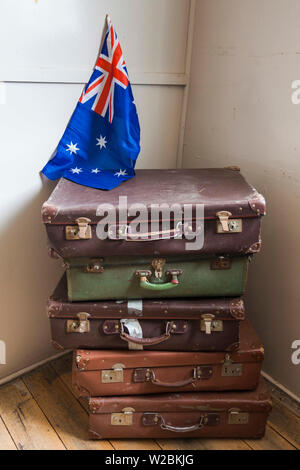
(162, 346)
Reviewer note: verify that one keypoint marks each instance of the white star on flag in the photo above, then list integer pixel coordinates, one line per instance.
(101, 142)
(76, 170)
(72, 148)
(95, 170)
(121, 173)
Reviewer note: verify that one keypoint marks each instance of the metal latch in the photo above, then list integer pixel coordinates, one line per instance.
(95, 266)
(222, 262)
(235, 416)
(226, 225)
(82, 325)
(209, 324)
(82, 232)
(113, 375)
(230, 369)
(122, 419)
(158, 264)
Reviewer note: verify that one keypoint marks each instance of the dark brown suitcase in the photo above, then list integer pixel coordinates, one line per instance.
(110, 373)
(232, 212)
(172, 325)
(203, 414)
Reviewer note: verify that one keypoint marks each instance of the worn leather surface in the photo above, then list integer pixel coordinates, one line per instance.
(218, 189)
(182, 410)
(168, 367)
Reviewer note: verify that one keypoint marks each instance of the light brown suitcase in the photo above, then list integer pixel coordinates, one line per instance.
(199, 414)
(109, 373)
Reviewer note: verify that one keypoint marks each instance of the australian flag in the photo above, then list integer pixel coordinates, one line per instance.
(101, 143)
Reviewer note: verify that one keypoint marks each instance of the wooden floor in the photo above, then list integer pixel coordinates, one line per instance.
(40, 411)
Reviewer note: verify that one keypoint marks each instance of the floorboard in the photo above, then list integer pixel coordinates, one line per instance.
(62, 409)
(6, 441)
(25, 421)
(285, 422)
(202, 444)
(271, 441)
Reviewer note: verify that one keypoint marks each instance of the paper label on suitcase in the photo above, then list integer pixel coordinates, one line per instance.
(134, 329)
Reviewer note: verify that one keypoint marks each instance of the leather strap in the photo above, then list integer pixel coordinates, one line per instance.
(147, 341)
(180, 383)
(148, 375)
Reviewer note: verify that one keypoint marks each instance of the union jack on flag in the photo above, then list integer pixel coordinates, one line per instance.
(101, 143)
(112, 71)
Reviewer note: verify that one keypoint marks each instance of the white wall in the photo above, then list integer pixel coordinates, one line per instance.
(50, 49)
(245, 57)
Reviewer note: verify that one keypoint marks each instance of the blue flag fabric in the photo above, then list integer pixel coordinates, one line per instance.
(101, 143)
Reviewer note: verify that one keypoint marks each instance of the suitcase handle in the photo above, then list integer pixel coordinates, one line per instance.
(210, 419)
(147, 341)
(124, 234)
(145, 284)
(196, 375)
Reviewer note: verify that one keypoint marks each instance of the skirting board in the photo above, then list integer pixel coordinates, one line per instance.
(289, 399)
(17, 374)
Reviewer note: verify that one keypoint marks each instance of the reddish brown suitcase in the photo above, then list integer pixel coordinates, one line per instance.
(172, 325)
(203, 414)
(232, 212)
(109, 373)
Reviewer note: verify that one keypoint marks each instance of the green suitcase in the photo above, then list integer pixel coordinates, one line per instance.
(138, 277)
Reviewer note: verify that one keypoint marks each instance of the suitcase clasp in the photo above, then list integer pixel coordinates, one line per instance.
(114, 375)
(209, 324)
(224, 225)
(94, 267)
(158, 264)
(82, 232)
(235, 416)
(122, 419)
(82, 325)
(230, 369)
(222, 262)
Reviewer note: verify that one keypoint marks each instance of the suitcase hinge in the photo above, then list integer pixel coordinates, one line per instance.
(224, 225)
(122, 419)
(114, 375)
(81, 232)
(82, 325)
(230, 369)
(209, 324)
(235, 416)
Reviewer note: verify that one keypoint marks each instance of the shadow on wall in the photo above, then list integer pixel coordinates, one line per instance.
(27, 277)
